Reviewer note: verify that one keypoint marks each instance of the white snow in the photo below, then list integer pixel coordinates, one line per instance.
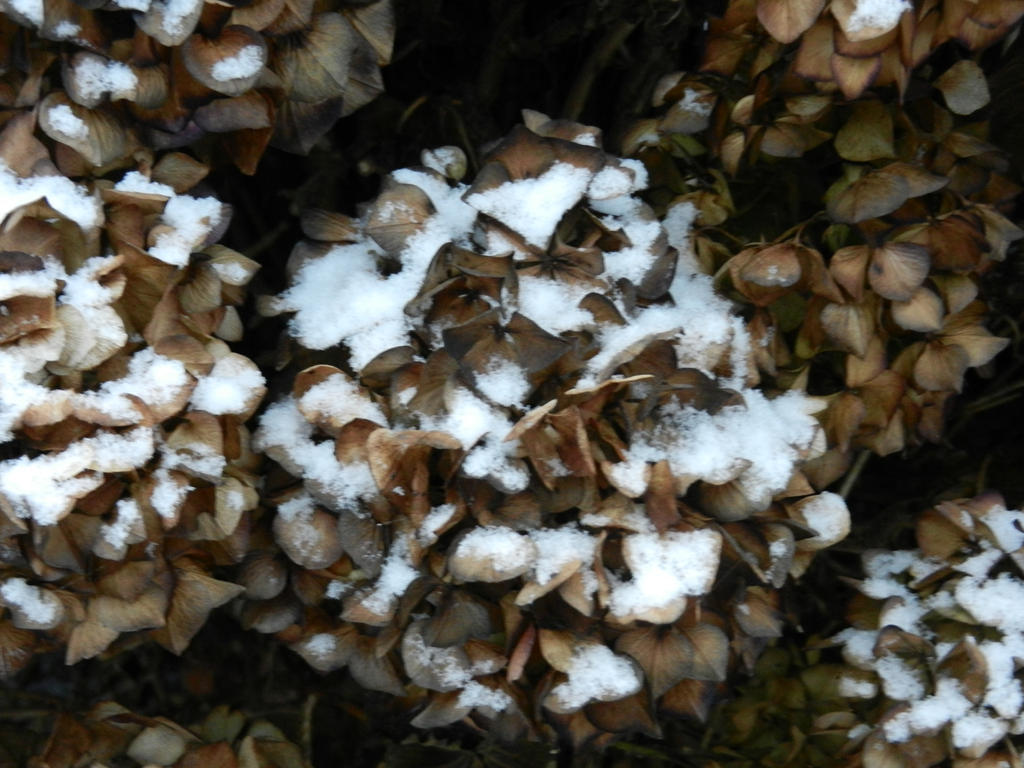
(67, 123)
(396, 575)
(168, 494)
(875, 14)
(504, 382)
(153, 378)
(190, 220)
(45, 487)
(557, 548)
(596, 673)
(758, 442)
(38, 605)
(828, 515)
(504, 550)
(287, 437)
(94, 77)
(30, 9)
(246, 63)
(66, 30)
(175, 15)
(666, 568)
(341, 400)
(63, 195)
(435, 520)
(133, 181)
(533, 207)
(232, 386)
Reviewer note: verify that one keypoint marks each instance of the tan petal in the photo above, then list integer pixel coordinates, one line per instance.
(376, 23)
(143, 612)
(786, 20)
(195, 595)
(898, 269)
(874, 194)
(854, 75)
(315, 66)
(310, 540)
(88, 639)
(398, 213)
(665, 655)
(851, 326)
(923, 312)
(868, 133)
(941, 367)
(848, 267)
(95, 134)
(964, 87)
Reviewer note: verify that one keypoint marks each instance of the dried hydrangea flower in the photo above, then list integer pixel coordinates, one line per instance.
(541, 423)
(937, 630)
(126, 473)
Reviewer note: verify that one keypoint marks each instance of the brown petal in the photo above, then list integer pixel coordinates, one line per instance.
(248, 112)
(229, 63)
(179, 171)
(691, 698)
(775, 266)
(332, 227)
(16, 647)
(374, 670)
(327, 651)
(965, 329)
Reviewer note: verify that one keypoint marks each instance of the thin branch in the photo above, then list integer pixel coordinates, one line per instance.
(596, 61)
(851, 477)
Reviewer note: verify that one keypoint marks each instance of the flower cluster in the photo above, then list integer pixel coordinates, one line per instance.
(122, 407)
(938, 634)
(163, 74)
(538, 441)
(869, 291)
